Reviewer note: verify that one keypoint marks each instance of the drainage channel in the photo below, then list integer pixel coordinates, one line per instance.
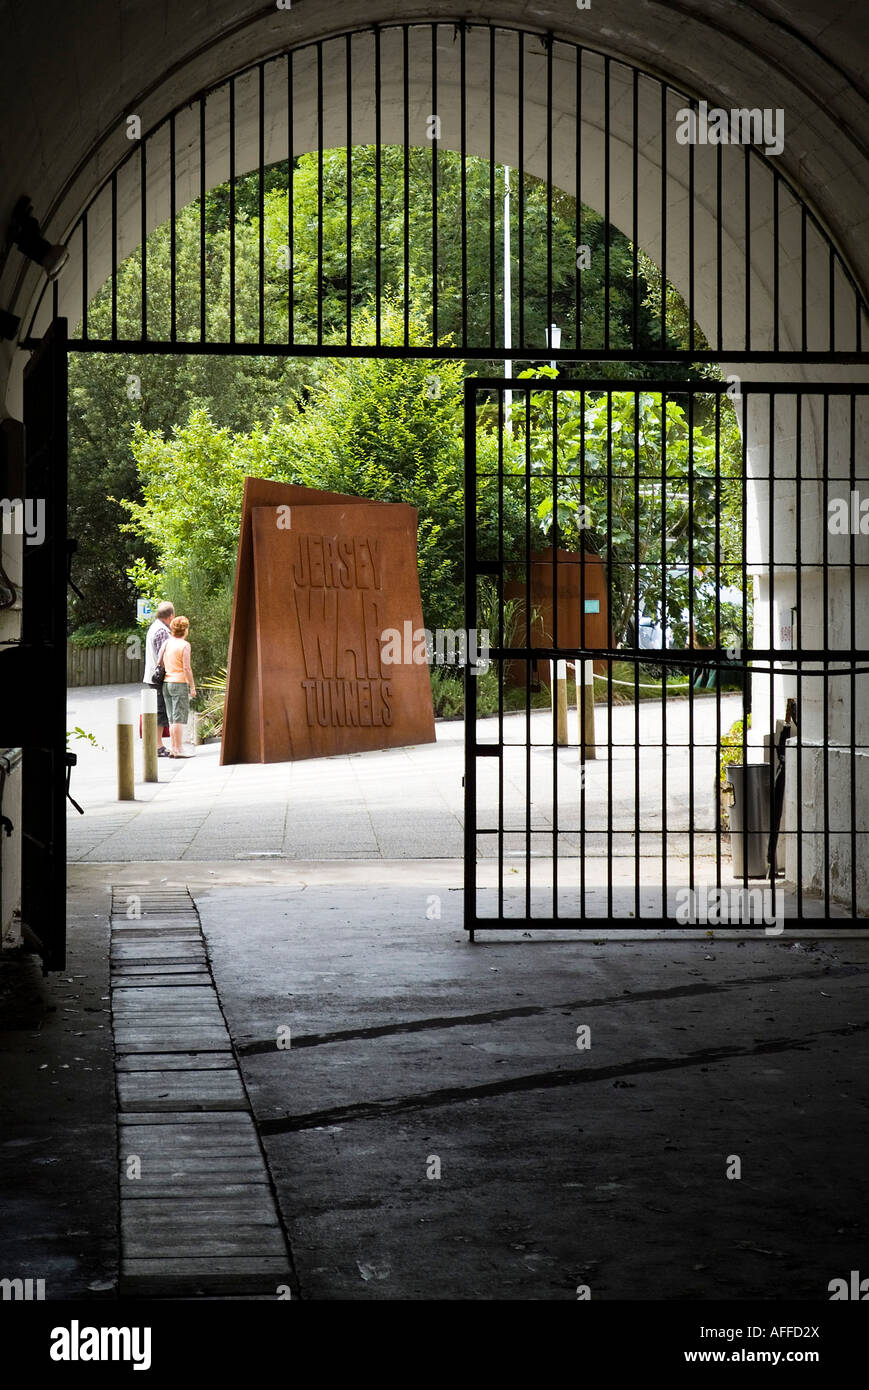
(197, 1211)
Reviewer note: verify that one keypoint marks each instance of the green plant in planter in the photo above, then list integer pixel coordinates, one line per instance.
(730, 751)
(210, 705)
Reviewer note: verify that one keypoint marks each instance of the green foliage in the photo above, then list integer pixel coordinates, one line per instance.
(90, 635)
(159, 445)
(211, 697)
(641, 486)
(112, 396)
(191, 486)
(209, 610)
(81, 735)
(390, 430)
(329, 288)
(731, 748)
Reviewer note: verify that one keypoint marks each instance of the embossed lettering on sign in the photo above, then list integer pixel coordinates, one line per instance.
(338, 586)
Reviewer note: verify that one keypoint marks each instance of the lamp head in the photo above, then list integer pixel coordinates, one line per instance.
(25, 234)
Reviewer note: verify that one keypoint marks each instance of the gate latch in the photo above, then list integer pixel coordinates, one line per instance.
(71, 760)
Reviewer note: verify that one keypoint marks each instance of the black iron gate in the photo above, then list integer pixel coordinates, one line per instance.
(669, 550)
(497, 150)
(33, 671)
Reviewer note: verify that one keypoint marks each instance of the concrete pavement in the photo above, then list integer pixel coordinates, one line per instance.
(406, 803)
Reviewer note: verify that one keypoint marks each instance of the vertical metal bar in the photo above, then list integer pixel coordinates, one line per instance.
(804, 278)
(406, 98)
(203, 190)
(378, 187)
(528, 661)
(852, 600)
(825, 530)
(747, 169)
(320, 193)
(663, 216)
(691, 252)
(832, 294)
(798, 639)
(84, 275)
(554, 667)
(348, 226)
(173, 236)
(114, 254)
(773, 642)
(636, 612)
(143, 231)
(746, 699)
(502, 642)
(463, 106)
(776, 267)
(583, 643)
(492, 93)
(232, 209)
(635, 203)
(578, 179)
(718, 638)
(607, 178)
(434, 186)
(261, 199)
(691, 635)
(609, 589)
(719, 246)
(549, 45)
(470, 866)
(521, 180)
(291, 212)
(664, 905)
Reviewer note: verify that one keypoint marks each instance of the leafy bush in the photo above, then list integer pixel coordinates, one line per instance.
(210, 614)
(731, 749)
(93, 636)
(211, 701)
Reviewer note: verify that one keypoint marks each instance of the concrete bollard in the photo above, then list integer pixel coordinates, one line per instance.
(585, 710)
(126, 781)
(149, 734)
(558, 691)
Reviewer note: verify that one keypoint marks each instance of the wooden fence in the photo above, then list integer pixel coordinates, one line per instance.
(101, 665)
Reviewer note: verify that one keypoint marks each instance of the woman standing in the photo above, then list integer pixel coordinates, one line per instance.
(179, 687)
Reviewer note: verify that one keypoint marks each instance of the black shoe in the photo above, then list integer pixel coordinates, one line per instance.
(162, 752)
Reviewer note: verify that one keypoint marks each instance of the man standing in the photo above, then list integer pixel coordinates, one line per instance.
(158, 634)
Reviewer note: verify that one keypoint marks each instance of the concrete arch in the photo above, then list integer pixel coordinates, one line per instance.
(714, 217)
(68, 134)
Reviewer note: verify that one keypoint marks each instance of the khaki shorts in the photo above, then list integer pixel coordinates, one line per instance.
(177, 697)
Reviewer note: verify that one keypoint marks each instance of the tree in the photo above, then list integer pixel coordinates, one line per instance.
(110, 396)
(651, 490)
(339, 279)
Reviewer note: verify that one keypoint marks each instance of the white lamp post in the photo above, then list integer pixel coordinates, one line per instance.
(553, 341)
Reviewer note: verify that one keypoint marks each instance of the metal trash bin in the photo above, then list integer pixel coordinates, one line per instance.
(750, 819)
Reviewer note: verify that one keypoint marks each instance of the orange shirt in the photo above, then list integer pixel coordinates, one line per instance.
(173, 659)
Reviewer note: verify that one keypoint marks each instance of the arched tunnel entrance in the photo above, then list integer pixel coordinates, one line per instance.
(769, 315)
(608, 341)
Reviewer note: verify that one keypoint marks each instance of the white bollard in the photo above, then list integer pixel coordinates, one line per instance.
(558, 691)
(126, 780)
(149, 733)
(585, 709)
